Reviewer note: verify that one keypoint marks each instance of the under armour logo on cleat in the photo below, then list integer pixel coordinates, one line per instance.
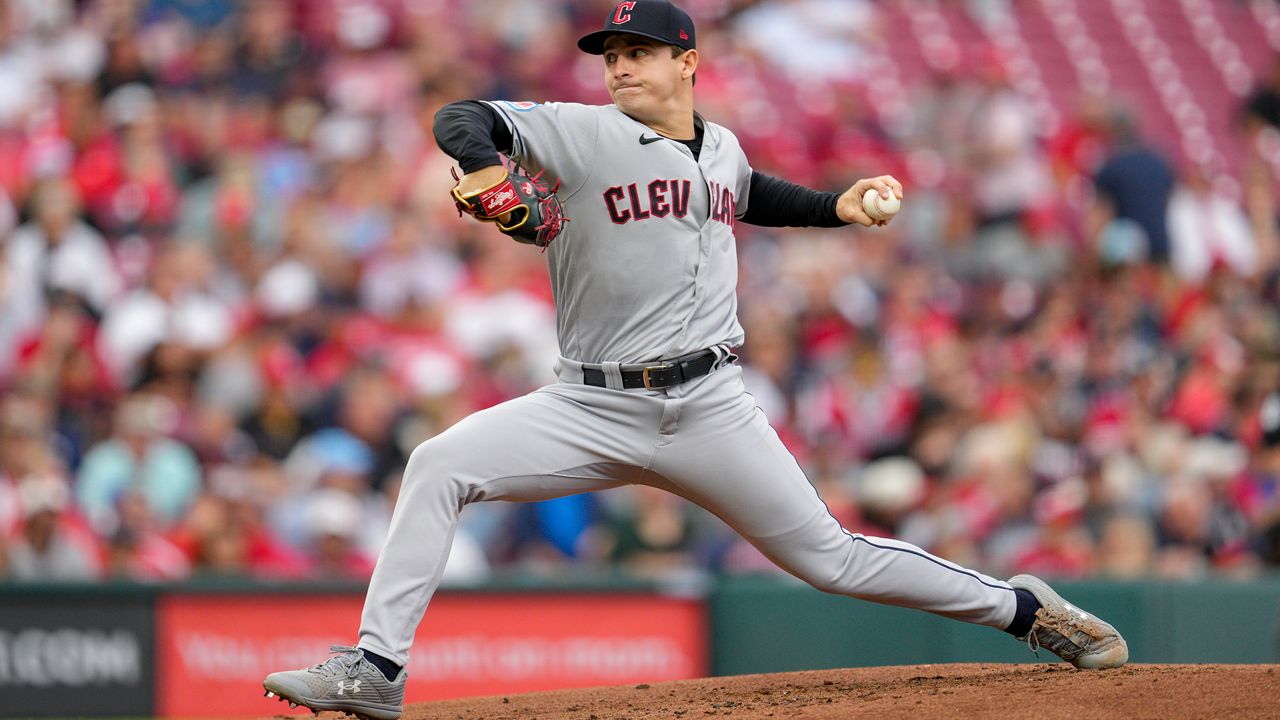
(354, 687)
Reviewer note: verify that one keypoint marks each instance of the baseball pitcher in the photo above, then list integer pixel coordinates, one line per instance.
(635, 205)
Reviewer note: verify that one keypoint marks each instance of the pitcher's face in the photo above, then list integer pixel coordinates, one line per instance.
(641, 74)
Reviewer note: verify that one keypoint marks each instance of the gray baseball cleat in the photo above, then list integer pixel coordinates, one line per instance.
(1072, 634)
(346, 682)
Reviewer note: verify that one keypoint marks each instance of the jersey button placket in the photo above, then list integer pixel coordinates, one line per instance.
(703, 224)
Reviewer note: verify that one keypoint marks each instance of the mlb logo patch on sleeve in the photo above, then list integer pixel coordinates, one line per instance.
(522, 106)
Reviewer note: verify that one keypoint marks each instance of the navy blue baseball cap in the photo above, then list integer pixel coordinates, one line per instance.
(654, 19)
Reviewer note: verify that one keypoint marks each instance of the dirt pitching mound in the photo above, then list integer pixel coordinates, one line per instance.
(911, 691)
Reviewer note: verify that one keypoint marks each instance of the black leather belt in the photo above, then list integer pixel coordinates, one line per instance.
(658, 375)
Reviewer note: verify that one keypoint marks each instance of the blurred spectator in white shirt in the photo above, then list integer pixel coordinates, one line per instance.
(20, 67)
(408, 272)
(1011, 173)
(1208, 228)
(50, 545)
(55, 251)
(500, 313)
(177, 306)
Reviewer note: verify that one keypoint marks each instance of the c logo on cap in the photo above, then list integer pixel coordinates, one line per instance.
(623, 13)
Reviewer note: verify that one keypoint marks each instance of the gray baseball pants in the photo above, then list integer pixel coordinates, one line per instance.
(704, 440)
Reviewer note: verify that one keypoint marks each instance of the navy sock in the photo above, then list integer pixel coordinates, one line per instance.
(1025, 616)
(389, 669)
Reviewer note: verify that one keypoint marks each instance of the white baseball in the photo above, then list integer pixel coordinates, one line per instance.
(879, 208)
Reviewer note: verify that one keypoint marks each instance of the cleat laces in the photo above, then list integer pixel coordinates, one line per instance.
(342, 661)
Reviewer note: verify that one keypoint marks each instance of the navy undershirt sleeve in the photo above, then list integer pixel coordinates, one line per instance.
(773, 202)
(471, 132)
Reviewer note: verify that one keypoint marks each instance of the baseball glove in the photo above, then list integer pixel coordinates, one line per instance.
(537, 216)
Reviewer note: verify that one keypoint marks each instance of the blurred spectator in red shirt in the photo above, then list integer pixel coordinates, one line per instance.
(136, 550)
(1062, 547)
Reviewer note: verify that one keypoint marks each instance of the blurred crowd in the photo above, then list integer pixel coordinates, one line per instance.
(235, 295)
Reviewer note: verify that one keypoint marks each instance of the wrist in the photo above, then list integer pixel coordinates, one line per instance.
(481, 179)
(844, 210)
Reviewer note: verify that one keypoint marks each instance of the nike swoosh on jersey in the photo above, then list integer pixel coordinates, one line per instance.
(646, 140)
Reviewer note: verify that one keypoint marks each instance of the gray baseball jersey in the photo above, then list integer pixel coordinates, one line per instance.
(646, 270)
(646, 267)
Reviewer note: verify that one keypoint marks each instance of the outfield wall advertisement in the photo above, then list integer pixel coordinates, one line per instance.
(214, 650)
(72, 655)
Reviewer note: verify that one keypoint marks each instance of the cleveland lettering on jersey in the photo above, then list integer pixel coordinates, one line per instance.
(723, 204)
(660, 198)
